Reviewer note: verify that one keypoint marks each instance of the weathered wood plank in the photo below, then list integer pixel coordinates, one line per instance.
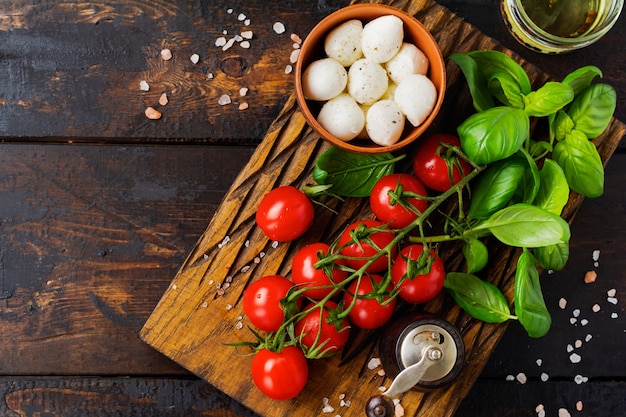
(91, 237)
(184, 325)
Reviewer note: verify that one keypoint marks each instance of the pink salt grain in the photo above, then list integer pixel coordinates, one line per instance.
(590, 277)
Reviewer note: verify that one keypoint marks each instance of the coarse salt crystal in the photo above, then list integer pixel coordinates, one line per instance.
(373, 363)
(209, 76)
(576, 312)
(229, 11)
(614, 315)
(595, 308)
(221, 41)
(239, 325)
(399, 410)
(246, 22)
(224, 100)
(205, 304)
(144, 86)
(247, 34)
(243, 106)
(275, 244)
(564, 413)
(562, 303)
(510, 378)
(163, 100)
(573, 320)
(544, 376)
(229, 306)
(288, 69)
(241, 17)
(570, 348)
(243, 91)
(166, 54)
(293, 58)
(579, 406)
(578, 343)
(588, 337)
(195, 58)
(575, 358)
(590, 276)
(611, 292)
(245, 44)
(381, 372)
(279, 28)
(521, 378)
(612, 300)
(245, 268)
(328, 409)
(152, 113)
(539, 362)
(595, 255)
(228, 44)
(542, 413)
(579, 379)
(294, 37)
(584, 322)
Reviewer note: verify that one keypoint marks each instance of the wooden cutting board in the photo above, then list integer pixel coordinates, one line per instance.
(201, 312)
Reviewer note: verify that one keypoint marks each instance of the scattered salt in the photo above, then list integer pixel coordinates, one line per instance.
(241, 17)
(570, 348)
(221, 41)
(224, 100)
(595, 308)
(573, 320)
(611, 292)
(297, 39)
(595, 255)
(239, 325)
(163, 100)
(579, 379)
(245, 268)
(399, 410)
(243, 91)
(578, 344)
(245, 44)
(564, 413)
(293, 58)
(373, 363)
(144, 86)
(588, 337)
(590, 276)
(576, 312)
(279, 28)
(209, 76)
(614, 315)
(521, 378)
(247, 34)
(327, 409)
(612, 300)
(510, 378)
(575, 358)
(562, 303)
(584, 322)
(195, 58)
(166, 54)
(579, 406)
(228, 44)
(539, 362)
(544, 376)
(288, 69)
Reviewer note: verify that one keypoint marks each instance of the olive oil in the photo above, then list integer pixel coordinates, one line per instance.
(564, 18)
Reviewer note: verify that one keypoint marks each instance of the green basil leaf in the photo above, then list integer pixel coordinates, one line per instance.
(530, 307)
(539, 148)
(582, 77)
(491, 62)
(494, 134)
(553, 257)
(581, 164)
(479, 299)
(526, 226)
(475, 80)
(495, 187)
(476, 255)
(593, 109)
(561, 125)
(548, 99)
(506, 89)
(351, 174)
(553, 189)
(528, 186)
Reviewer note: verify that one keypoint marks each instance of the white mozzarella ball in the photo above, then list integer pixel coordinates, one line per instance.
(343, 43)
(342, 117)
(367, 81)
(409, 60)
(384, 122)
(382, 38)
(416, 95)
(324, 79)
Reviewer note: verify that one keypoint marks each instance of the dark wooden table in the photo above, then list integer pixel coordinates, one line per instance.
(99, 206)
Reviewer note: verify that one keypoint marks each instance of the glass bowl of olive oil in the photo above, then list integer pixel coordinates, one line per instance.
(556, 26)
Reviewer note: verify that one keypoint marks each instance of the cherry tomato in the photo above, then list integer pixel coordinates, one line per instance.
(366, 246)
(332, 335)
(432, 168)
(420, 284)
(388, 209)
(285, 213)
(304, 273)
(262, 301)
(280, 375)
(367, 313)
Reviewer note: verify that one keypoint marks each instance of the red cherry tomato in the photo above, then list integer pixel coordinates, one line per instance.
(367, 313)
(262, 302)
(285, 213)
(365, 246)
(316, 330)
(419, 284)
(280, 375)
(388, 209)
(432, 168)
(304, 273)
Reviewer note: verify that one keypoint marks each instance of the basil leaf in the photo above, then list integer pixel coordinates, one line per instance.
(491, 62)
(475, 80)
(553, 189)
(581, 164)
(593, 109)
(528, 186)
(526, 226)
(530, 307)
(351, 174)
(538, 148)
(548, 99)
(494, 134)
(553, 257)
(494, 188)
(504, 87)
(476, 254)
(479, 299)
(561, 125)
(582, 77)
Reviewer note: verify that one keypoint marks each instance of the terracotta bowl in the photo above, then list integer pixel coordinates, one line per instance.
(414, 32)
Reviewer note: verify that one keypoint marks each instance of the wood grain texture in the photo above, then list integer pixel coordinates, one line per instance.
(200, 311)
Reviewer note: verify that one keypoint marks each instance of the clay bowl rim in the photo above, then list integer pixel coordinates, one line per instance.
(312, 48)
